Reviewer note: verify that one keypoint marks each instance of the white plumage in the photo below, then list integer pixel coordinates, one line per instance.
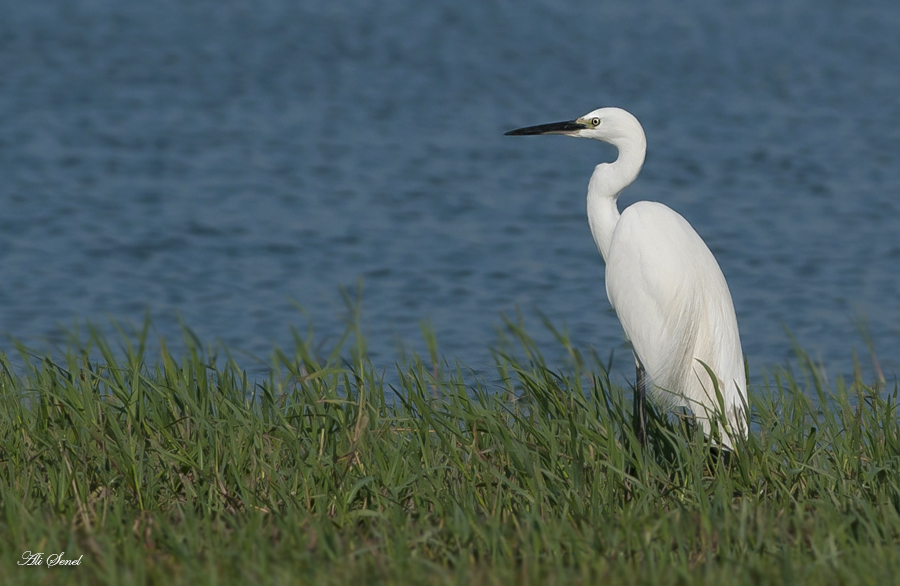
(664, 283)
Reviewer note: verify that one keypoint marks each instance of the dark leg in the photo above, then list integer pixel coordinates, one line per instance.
(639, 420)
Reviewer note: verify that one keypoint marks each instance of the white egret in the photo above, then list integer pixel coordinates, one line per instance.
(665, 286)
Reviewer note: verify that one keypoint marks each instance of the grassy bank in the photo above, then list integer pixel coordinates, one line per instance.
(183, 471)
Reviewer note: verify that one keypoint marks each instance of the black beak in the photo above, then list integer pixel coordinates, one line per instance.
(567, 127)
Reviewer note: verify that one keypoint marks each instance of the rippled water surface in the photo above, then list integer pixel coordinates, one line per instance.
(223, 161)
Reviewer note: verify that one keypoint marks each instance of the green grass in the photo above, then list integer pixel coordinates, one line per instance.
(183, 471)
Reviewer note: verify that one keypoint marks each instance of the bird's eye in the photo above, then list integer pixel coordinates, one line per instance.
(595, 122)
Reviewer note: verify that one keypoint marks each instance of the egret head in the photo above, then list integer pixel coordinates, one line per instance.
(612, 125)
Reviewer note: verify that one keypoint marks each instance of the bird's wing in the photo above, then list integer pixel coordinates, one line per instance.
(674, 305)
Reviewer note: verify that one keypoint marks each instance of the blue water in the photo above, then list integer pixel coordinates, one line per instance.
(224, 161)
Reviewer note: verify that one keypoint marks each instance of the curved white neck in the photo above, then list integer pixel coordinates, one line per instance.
(607, 182)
